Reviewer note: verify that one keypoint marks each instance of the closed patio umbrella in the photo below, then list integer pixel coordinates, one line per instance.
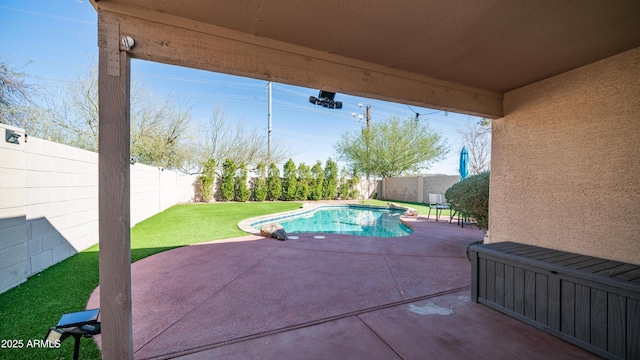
(464, 163)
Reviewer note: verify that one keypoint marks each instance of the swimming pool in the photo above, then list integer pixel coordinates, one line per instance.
(342, 219)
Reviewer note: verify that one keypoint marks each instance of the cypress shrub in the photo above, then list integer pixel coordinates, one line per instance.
(318, 176)
(227, 184)
(207, 179)
(289, 181)
(260, 183)
(302, 184)
(330, 182)
(242, 190)
(274, 183)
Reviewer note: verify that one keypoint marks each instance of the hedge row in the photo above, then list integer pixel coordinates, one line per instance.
(297, 182)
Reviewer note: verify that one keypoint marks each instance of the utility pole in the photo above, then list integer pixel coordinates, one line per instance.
(367, 118)
(269, 87)
(368, 115)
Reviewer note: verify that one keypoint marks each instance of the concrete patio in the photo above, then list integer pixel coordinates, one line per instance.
(337, 297)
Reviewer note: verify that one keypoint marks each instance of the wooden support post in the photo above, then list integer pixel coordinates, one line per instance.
(114, 198)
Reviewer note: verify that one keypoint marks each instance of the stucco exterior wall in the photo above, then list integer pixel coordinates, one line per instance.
(565, 171)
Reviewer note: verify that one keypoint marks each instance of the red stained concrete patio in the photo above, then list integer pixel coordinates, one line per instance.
(341, 297)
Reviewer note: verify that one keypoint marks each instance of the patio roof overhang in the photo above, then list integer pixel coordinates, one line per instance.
(458, 56)
(455, 55)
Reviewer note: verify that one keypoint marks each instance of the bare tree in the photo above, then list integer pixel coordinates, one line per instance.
(77, 114)
(477, 138)
(160, 131)
(15, 96)
(239, 144)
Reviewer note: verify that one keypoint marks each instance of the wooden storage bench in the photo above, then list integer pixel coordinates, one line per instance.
(591, 302)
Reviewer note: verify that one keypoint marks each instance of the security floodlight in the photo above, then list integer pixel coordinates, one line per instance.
(78, 324)
(12, 136)
(325, 99)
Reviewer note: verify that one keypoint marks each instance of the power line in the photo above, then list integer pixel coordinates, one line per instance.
(50, 16)
(427, 114)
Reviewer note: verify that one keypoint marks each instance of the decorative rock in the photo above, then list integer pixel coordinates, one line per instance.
(411, 212)
(408, 211)
(394, 206)
(275, 231)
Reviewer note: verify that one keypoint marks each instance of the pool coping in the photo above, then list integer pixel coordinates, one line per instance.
(245, 225)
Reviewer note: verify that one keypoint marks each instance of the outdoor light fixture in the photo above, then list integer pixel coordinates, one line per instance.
(325, 99)
(127, 43)
(78, 324)
(12, 136)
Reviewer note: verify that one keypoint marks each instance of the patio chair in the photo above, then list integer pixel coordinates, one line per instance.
(436, 201)
(456, 212)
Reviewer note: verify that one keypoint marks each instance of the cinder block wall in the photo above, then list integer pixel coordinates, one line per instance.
(565, 170)
(61, 202)
(416, 188)
(13, 221)
(400, 188)
(154, 190)
(437, 184)
(367, 188)
(49, 202)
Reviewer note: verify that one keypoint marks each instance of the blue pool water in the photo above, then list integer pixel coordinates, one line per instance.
(352, 220)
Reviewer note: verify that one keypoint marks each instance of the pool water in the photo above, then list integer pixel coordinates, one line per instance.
(351, 220)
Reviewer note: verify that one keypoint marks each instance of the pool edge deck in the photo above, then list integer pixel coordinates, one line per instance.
(253, 297)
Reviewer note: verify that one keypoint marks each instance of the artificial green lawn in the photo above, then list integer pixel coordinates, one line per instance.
(28, 310)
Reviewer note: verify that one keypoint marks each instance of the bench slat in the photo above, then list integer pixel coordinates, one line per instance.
(604, 266)
(585, 264)
(617, 270)
(629, 275)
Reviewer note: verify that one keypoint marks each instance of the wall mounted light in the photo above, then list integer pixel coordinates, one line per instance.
(12, 136)
(126, 43)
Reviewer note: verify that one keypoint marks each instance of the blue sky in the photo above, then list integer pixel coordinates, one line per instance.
(56, 40)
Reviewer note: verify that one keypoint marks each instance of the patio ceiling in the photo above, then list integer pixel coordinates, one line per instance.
(468, 53)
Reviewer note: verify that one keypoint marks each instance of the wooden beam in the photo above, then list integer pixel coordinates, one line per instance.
(114, 198)
(172, 40)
